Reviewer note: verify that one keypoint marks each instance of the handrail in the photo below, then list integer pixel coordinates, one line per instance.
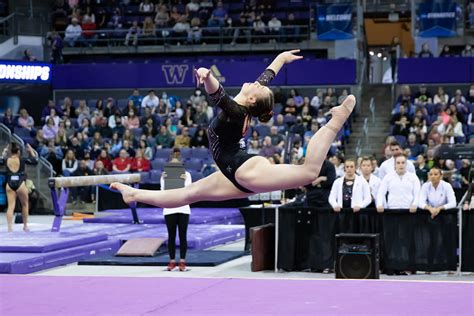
(372, 109)
(165, 35)
(8, 17)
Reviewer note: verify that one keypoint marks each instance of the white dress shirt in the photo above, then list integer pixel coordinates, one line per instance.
(388, 166)
(403, 191)
(151, 102)
(443, 195)
(360, 193)
(185, 209)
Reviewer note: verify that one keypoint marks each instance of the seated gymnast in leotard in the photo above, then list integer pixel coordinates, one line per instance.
(241, 174)
(15, 179)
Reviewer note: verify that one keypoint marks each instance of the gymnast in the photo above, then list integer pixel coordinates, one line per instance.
(240, 174)
(15, 180)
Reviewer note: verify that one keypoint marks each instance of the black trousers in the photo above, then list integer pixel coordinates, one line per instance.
(181, 221)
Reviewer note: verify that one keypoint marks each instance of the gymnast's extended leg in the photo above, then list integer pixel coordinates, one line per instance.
(258, 175)
(23, 196)
(11, 200)
(215, 187)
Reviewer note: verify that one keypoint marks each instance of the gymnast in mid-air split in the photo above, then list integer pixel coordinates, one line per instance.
(241, 174)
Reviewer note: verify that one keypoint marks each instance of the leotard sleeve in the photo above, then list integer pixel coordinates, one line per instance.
(266, 77)
(229, 106)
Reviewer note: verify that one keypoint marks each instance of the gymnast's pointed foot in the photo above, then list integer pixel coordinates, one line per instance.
(128, 193)
(341, 113)
(10, 228)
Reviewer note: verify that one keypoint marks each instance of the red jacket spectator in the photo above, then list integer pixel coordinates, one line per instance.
(122, 163)
(140, 164)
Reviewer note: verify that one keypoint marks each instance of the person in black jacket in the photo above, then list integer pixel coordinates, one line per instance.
(317, 192)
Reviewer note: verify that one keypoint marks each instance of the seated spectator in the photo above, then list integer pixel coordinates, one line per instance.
(338, 162)
(50, 130)
(470, 94)
(9, 119)
(128, 148)
(436, 195)
(150, 100)
(468, 51)
(292, 29)
(146, 6)
(88, 13)
(99, 169)
(419, 129)
(115, 22)
(205, 9)
(136, 98)
(308, 134)
(183, 140)
(53, 154)
(405, 95)
(464, 172)
(68, 109)
(164, 138)
(131, 121)
(388, 166)
(350, 191)
(192, 9)
(195, 32)
(290, 107)
(274, 28)
(82, 111)
(458, 98)
(197, 98)
(69, 164)
(403, 188)
(241, 31)
(145, 148)
(200, 138)
(219, 16)
(52, 115)
(412, 144)
(451, 174)
(47, 110)
(119, 128)
(423, 96)
(84, 193)
(28, 56)
(149, 128)
(259, 29)
(61, 140)
(172, 127)
(88, 30)
(280, 124)
(268, 150)
(421, 168)
(181, 29)
(139, 163)
(133, 33)
(316, 101)
(25, 120)
(200, 117)
(104, 158)
(446, 52)
(298, 128)
(441, 97)
(320, 118)
(149, 29)
(278, 139)
(175, 15)
(402, 127)
(73, 33)
(253, 147)
(122, 163)
(162, 18)
(454, 130)
(425, 51)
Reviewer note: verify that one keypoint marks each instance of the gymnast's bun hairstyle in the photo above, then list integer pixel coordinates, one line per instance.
(263, 108)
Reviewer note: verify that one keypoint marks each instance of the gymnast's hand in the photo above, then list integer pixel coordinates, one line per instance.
(289, 56)
(201, 75)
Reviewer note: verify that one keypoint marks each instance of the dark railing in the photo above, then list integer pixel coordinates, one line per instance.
(166, 37)
(9, 28)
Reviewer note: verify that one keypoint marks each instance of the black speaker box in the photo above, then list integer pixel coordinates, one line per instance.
(357, 256)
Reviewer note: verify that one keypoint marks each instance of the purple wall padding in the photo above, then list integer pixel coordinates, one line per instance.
(23, 263)
(436, 70)
(46, 241)
(229, 216)
(180, 74)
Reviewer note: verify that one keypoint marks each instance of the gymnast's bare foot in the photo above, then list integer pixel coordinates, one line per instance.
(10, 228)
(26, 229)
(128, 193)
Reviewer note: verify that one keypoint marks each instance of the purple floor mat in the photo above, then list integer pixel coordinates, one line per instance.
(22, 263)
(199, 236)
(109, 229)
(229, 216)
(199, 296)
(40, 241)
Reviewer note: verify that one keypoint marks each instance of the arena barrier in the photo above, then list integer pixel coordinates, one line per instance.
(64, 183)
(304, 237)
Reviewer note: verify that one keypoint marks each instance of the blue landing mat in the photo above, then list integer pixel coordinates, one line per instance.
(23, 263)
(228, 216)
(40, 241)
(199, 258)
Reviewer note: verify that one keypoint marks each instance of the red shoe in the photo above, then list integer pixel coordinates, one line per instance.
(171, 265)
(182, 265)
